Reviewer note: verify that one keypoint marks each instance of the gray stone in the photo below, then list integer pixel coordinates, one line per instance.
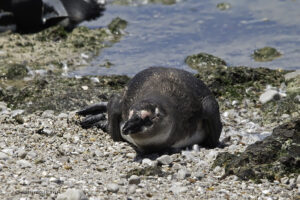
(31, 154)
(9, 151)
(176, 189)
(292, 75)
(48, 114)
(268, 96)
(24, 164)
(46, 131)
(21, 153)
(72, 194)
(131, 189)
(297, 99)
(177, 166)
(134, 179)
(298, 180)
(164, 160)
(112, 187)
(148, 162)
(3, 156)
(198, 174)
(131, 155)
(16, 112)
(62, 115)
(182, 174)
(196, 147)
(284, 180)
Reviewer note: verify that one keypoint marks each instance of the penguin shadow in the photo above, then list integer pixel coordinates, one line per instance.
(153, 156)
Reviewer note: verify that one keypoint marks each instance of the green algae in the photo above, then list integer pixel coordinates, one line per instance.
(147, 171)
(276, 156)
(244, 83)
(203, 60)
(223, 6)
(53, 47)
(60, 93)
(265, 54)
(16, 71)
(117, 25)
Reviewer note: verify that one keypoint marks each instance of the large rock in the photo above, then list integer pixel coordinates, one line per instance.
(72, 194)
(276, 156)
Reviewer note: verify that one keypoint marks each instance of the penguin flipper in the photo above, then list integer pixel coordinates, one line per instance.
(7, 22)
(211, 123)
(114, 110)
(93, 109)
(95, 116)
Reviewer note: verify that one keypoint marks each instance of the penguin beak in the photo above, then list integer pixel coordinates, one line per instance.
(133, 125)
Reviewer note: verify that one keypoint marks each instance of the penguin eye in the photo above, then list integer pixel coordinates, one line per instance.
(148, 121)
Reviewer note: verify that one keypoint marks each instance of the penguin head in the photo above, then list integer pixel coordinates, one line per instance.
(144, 117)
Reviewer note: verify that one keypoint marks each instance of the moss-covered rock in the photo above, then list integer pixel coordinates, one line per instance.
(117, 25)
(54, 46)
(247, 84)
(233, 82)
(276, 156)
(204, 60)
(147, 171)
(265, 54)
(60, 94)
(16, 71)
(224, 6)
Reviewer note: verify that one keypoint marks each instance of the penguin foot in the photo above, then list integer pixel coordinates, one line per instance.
(95, 116)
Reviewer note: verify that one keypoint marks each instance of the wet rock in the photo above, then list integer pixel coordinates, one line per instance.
(164, 160)
(265, 54)
(298, 180)
(292, 75)
(297, 99)
(278, 155)
(134, 179)
(223, 6)
(147, 171)
(16, 71)
(117, 25)
(72, 194)
(112, 187)
(268, 96)
(60, 94)
(204, 60)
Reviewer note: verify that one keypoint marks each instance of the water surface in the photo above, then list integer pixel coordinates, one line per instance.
(163, 35)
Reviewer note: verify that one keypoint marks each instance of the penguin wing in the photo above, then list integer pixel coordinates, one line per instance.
(54, 9)
(7, 22)
(53, 12)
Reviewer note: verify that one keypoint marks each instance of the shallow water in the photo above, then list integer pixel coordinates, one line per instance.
(164, 35)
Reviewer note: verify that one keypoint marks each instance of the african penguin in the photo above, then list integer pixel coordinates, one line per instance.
(161, 108)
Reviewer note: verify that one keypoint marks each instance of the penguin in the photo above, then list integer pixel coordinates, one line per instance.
(32, 16)
(160, 108)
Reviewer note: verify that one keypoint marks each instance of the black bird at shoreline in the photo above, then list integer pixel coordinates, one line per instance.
(29, 16)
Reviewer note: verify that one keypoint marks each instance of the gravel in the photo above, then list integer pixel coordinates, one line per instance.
(75, 163)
